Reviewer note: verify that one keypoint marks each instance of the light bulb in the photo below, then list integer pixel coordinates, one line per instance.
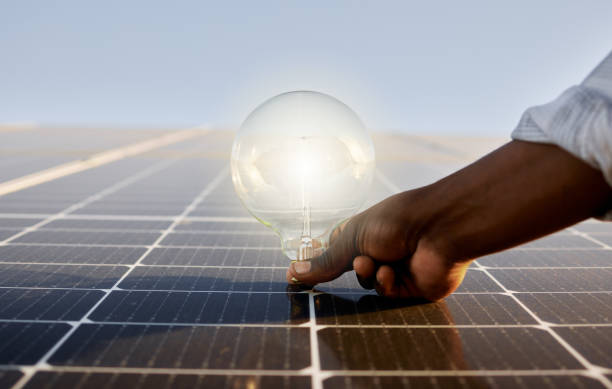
(302, 162)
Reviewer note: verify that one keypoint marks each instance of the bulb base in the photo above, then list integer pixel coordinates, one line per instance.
(298, 250)
(305, 251)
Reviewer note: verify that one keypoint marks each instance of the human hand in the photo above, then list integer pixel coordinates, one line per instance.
(385, 247)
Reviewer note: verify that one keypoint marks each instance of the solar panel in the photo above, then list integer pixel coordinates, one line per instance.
(148, 273)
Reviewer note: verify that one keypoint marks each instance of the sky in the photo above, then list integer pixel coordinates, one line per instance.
(435, 67)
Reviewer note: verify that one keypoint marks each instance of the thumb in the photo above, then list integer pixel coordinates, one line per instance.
(337, 259)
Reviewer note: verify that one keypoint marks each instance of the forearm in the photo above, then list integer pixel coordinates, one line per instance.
(517, 193)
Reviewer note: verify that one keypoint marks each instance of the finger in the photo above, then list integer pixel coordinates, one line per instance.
(336, 260)
(365, 269)
(385, 277)
(406, 287)
(397, 282)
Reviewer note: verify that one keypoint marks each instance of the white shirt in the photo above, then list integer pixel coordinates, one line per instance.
(579, 121)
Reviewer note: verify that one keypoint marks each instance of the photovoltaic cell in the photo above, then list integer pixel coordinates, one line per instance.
(71, 254)
(475, 281)
(186, 347)
(127, 210)
(46, 304)
(206, 279)
(606, 239)
(76, 224)
(18, 222)
(441, 349)
(25, 343)
(460, 309)
(9, 377)
(60, 276)
(203, 307)
(89, 237)
(221, 227)
(226, 240)
(549, 258)
(7, 233)
(464, 382)
(593, 342)
(555, 280)
(594, 227)
(53, 380)
(570, 308)
(220, 211)
(217, 257)
(561, 241)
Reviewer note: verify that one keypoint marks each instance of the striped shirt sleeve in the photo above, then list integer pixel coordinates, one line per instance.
(579, 121)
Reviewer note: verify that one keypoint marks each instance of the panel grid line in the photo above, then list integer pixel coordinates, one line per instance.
(586, 235)
(199, 198)
(95, 197)
(315, 359)
(591, 370)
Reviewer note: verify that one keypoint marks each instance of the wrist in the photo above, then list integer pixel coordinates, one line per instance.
(443, 216)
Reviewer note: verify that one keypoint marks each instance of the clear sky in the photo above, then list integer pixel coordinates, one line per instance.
(453, 67)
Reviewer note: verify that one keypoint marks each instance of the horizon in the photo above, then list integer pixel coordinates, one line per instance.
(453, 69)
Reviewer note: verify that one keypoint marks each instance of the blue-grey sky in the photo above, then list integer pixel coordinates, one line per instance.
(449, 67)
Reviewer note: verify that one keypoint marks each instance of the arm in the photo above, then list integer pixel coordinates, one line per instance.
(519, 192)
(419, 243)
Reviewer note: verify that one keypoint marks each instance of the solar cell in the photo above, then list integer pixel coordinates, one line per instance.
(186, 347)
(85, 224)
(148, 273)
(482, 348)
(206, 279)
(593, 342)
(12, 223)
(60, 276)
(9, 377)
(462, 382)
(203, 307)
(46, 304)
(26, 343)
(7, 233)
(89, 237)
(601, 238)
(562, 241)
(459, 309)
(221, 227)
(70, 254)
(216, 256)
(593, 227)
(194, 239)
(549, 258)
(61, 380)
(555, 279)
(570, 308)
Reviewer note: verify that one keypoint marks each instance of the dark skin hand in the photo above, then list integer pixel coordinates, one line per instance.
(419, 243)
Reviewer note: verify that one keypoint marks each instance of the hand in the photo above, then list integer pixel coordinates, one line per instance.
(387, 252)
(419, 243)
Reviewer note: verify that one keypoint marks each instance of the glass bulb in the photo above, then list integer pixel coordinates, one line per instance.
(302, 162)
